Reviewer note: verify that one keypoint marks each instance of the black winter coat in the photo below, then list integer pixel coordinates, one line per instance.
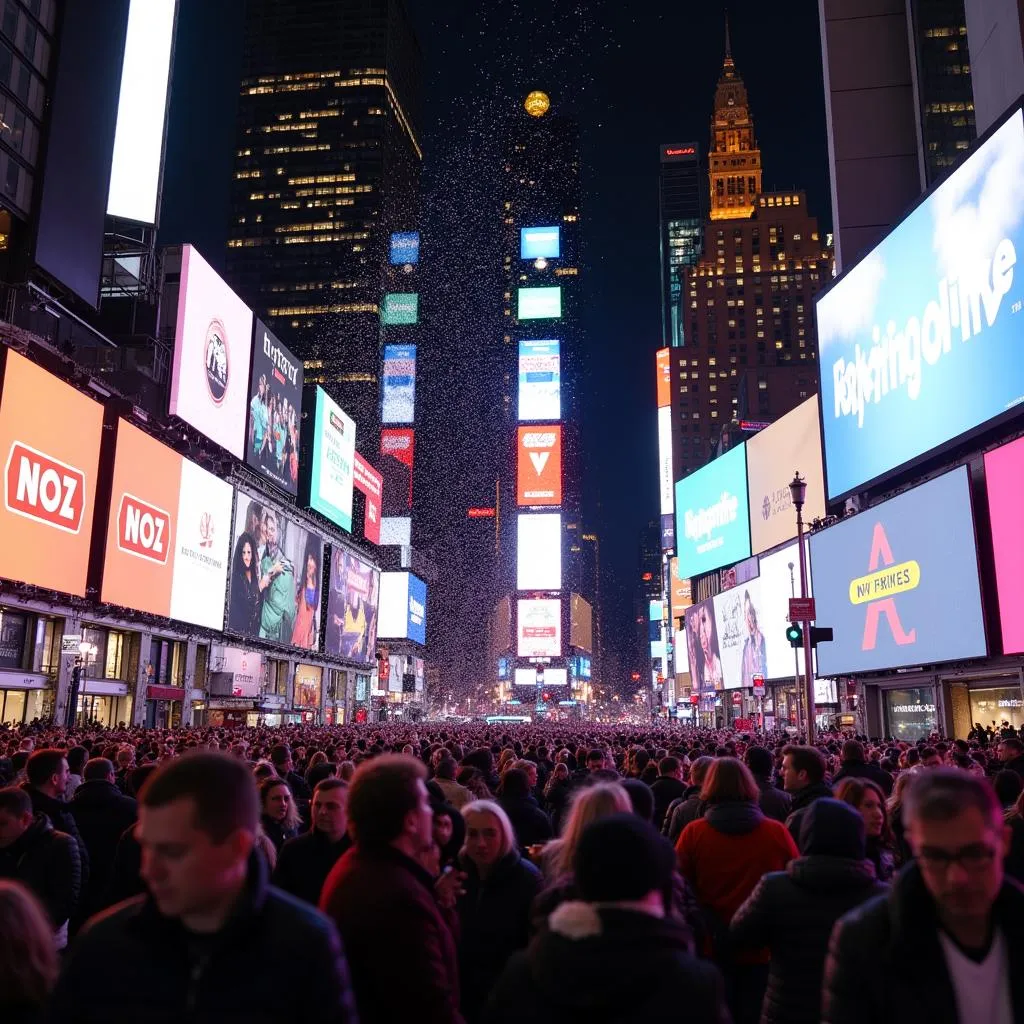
(125, 878)
(304, 863)
(276, 832)
(165, 975)
(665, 790)
(59, 813)
(793, 912)
(47, 862)
(690, 808)
(531, 824)
(556, 803)
(775, 803)
(864, 770)
(885, 962)
(102, 813)
(801, 801)
(494, 922)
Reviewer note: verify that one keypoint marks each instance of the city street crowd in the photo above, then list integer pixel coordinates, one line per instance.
(445, 872)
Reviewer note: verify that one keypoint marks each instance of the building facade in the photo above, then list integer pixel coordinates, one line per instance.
(682, 210)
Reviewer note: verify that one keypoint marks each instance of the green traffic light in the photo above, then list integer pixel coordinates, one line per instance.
(795, 635)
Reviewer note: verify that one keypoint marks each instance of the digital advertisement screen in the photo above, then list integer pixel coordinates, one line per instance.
(540, 465)
(396, 531)
(555, 677)
(665, 458)
(405, 248)
(539, 628)
(307, 687)
(525, 677)
(370, 484)
(540, 381)
(712, 528)
(679, 594)
(275, 411)
(581, 623)
(778, 582)
(791, 444)
(539, 551)
(276, 576)
(212, 346)
(1004, 473)
(898, 583)
(540, 303)
(741, 641)
(141, 111)
(703, 647)
(352, 601)
(540, 243)
(403, 607)
(50, 437)
(664, 372)
(400, 309)
(334, 455)
(168, 533)
(398, 386)
(400, 443)
(919, 342)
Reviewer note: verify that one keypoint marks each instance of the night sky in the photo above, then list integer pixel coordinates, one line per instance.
(634, 76)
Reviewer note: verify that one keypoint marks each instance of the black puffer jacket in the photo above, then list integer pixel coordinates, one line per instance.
(102, 813)
(59, 813)
(304, 863)
(793, 911)
(530, 823)
(801, 801)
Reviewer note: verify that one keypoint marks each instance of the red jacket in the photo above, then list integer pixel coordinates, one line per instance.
(401, 953)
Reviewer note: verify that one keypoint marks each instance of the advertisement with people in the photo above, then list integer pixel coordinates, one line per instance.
(703, 649)
(919, 343)
(741, 641)
(352, 603)
(1004, 471)
(275, 411)
(276, 576)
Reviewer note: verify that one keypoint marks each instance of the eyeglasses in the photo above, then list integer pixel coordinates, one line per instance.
(972, 857)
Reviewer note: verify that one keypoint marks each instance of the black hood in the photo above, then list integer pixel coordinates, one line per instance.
(831, 873)
(733, 819)
(832, 828)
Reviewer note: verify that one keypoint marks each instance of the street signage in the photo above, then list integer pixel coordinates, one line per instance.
(758, 681)
(69, 643)
(801, 609)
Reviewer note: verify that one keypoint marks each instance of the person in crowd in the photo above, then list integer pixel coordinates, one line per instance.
(588, 805)
(281, 759)
(855, 765)
(530, 823)
(689, 807)
(494, 909)
(305, 861)
(198, 946)
(1011, 755)
(77, 756)
(775, 803)
(895, 807)
(641, 798)
(102, 813)
(880, 845)
(803, 777)
(947, 942)
(45, 860)
(793, 911)
(449, 833)
(382, 899)
(667, 787)
(557, 793)
(280, 819)
(723, 856)
(614, 954)
(444, 775)
(47, 778)
(28, 958)
(1008, 786)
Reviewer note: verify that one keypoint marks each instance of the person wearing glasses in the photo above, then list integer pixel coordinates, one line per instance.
(947, 943)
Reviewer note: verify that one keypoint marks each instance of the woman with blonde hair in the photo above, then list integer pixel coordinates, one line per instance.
(28, 958)
(588, 805)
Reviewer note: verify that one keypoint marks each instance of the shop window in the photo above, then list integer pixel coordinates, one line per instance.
(995, 705)
(202, 666)
(910, 714)
(277, 677)
(13, 633)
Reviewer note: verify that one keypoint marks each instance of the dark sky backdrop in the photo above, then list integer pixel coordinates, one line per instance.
(634, 75)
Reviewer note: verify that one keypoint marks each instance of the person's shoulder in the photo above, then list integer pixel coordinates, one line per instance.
(871, 918)
(111, 928)
(285, 910)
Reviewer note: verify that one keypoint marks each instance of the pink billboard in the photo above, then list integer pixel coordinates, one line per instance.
(1004, 478)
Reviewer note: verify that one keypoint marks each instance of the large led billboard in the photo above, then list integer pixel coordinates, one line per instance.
(276, 576)
(791, 444)
(168, 533)
(679, 592)
(663, 364)
(540, 465)
(665, 459)
(275, 411)
(398, 384)
(898, 583)
(334, 453)
(918, 343)
(400, 309)
(370, 484)
(581, 623)
(539, 628)
(396, 531)
(525, 677)
(352, 602)
(540, 381)
(742, 645)
(50, 437)
(212, 346)
(400, 443)
(540, 303)
(779, 580)
(539, 551)
(404, 248)
(712, 526)
(141, 111)
(703, 648)
(542, 243)
(403, 607)
(1004, 473)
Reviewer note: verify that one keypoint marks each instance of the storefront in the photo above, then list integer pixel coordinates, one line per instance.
(910, 714)
(307, 693)
(994, 705)
(29, 663)
(24, 696)
(104, 702)
(165, 678)
(163, 706)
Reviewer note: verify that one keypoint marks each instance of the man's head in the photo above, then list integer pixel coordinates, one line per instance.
(99, 769)
(930, 758)
(445, 768)
(955, 828)
(330, 808)
(1010, 749)
(388, 805)
(198, 817)
(595, 760)
(801, 767)
(670, 768)
(699, 770)
(759, 761)
(15, 815)
(48, 771)
(853, 752)
(281, 758)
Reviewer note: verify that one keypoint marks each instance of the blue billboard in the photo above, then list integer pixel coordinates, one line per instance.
(417, 631)
(540, 243)
(540, 381)
(898, 583)
(540, 303)
(919, 343)
(398, 384)
(405, 248)
(712, 521)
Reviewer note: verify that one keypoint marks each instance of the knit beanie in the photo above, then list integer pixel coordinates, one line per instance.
(622, 857)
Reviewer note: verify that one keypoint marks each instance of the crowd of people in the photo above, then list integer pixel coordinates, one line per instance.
(487, 874)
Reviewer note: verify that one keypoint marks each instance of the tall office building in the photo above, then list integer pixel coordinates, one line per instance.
(327, 167)
(681, 212)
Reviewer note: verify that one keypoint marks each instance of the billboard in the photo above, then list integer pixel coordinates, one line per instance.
(779, 580)
(212, 345)
(540, 303)
(400, 309)
(665, 460)
(741, 641)
(275, 411)
(168, 533)
(404, 248)
(540, 465)
(307, 687)
(898, 583)
(398, 384)
(791, 444)
(396, 530)
(540, 381)
(581, 623)
(1004, 471)
(50, 437)
(334, 455)
(352, 602)
(400, 443)
(539, 551)
(555, 677)
(915, 342)
(539, 627)
(702, 647)
(679, 592)
(540, 243)
(525, 677)
(276, 576)
(664, 371)
(403, 607)
(370, 484)
(712, 527)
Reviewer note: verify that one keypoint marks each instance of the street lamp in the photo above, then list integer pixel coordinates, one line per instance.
(86, 650)
(798, 491)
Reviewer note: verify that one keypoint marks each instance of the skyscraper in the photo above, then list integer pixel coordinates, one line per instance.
(681, 212)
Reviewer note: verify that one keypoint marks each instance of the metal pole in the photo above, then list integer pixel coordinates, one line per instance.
(808, 674)
(797, 685)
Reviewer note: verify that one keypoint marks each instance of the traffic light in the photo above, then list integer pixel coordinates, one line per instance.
(820, 635)
(795, 635)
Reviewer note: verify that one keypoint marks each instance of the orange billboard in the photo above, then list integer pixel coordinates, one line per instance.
(664, 377)
(50, 437)
(540, 466)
